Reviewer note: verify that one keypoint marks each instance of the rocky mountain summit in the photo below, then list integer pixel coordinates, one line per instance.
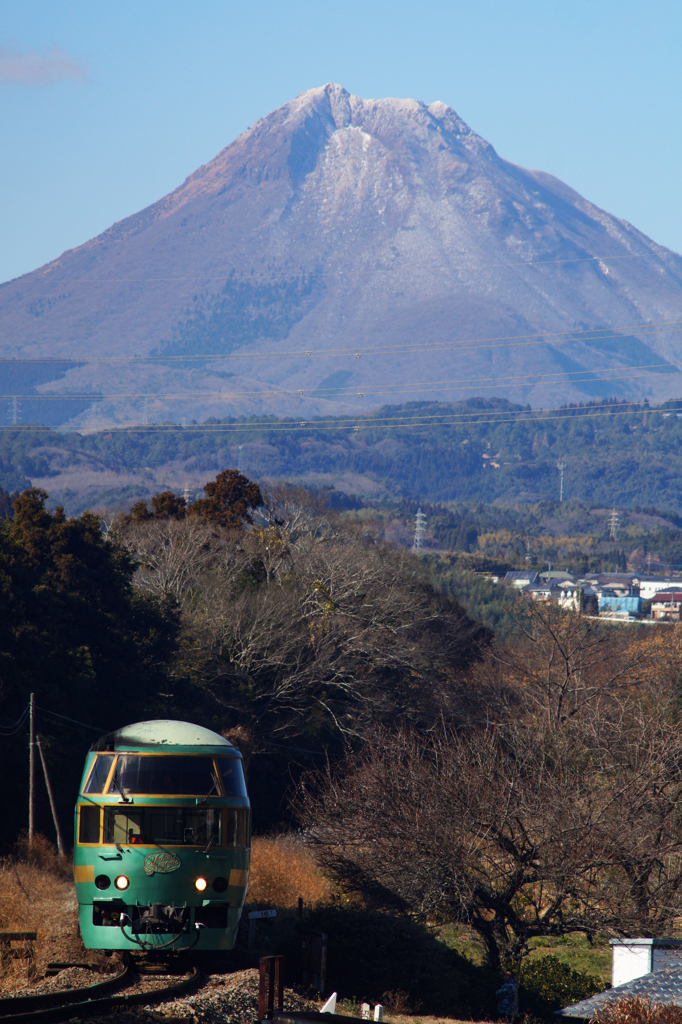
(339, 255)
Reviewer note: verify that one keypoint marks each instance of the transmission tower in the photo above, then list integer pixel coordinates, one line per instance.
(419, 530)
(14, 411)
(91, 416)
(613, 524)
(240, 461)
(561, 466)
(145, 418)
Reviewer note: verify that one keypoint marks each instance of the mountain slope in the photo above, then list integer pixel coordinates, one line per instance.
(339, 227)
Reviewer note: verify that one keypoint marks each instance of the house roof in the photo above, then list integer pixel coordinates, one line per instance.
(663, 986)
(668, 595)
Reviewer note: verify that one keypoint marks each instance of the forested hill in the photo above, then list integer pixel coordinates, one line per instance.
(615, 453)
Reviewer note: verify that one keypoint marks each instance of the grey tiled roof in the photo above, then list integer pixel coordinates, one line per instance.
(664, 986)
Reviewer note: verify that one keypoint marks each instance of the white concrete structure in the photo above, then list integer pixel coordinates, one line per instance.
(650, 585)
(633, 958)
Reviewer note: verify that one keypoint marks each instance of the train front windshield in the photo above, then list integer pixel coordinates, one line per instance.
(166, 775)
(175, 774)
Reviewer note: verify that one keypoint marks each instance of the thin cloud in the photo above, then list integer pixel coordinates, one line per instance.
(33, 68)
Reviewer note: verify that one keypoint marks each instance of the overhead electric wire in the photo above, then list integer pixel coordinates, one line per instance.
(360, 422)
(231, 274)
(65, 718)
(542, 338)
(538, 379)
(9, 730)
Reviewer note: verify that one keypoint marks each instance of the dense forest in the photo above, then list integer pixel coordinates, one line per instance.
(298, 629)
(615, 453)
(521, 779)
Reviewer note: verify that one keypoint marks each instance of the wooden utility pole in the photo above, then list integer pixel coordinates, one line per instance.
(31, 769)
(60, 844)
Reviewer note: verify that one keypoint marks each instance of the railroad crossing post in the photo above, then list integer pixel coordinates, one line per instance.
(272, 976)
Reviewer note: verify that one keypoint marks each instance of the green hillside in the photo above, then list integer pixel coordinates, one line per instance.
(616, 453)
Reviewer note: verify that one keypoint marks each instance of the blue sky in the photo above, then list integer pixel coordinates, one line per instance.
(107, 106)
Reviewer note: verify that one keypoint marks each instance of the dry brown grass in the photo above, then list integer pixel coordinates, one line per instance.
(41, 853)
(18, 913)
(637, 1010)
(282, 870)
(36, 894)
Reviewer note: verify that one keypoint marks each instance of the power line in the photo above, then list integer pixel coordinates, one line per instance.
(430, 268)
(360, 422)
(586, 376)
(65, 718)
(542, 338)
(9, 730)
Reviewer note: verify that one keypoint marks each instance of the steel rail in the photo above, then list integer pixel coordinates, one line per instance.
(78, 1001)
(60, 995)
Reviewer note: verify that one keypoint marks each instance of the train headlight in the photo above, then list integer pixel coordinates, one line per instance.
(121, 882)
(200, 884)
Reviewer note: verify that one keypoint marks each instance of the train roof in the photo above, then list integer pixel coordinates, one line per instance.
(164, 733)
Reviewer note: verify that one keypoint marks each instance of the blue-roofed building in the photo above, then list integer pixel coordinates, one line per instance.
(650, 968)
(625, 604)
(664, 986)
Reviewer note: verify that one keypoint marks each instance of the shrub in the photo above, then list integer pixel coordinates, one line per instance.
(638, 1010)
(281, 871)
(42, 854)
(12, 900)
(548, 984)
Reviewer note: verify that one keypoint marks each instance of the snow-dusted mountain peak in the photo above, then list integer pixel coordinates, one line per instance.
(336, 225)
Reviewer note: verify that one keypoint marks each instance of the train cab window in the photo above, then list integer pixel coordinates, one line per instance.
(237, 826)
(163, 826)
(185, 826)
(99, 774)
(123, 826)
(88, 824)
(232, 775)
(164, 775)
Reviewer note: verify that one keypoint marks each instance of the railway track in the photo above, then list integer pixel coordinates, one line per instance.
(73, 1002)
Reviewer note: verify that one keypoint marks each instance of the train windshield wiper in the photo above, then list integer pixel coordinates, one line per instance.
(212, 841)
(214, 785)
(125, 799)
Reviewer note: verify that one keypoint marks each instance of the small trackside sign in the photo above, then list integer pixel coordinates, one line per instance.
(261, 913)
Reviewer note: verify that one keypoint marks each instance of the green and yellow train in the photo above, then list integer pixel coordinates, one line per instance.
(162, 840)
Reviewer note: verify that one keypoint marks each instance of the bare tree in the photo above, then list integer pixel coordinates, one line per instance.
(519, 830)
(171, 553)
(562, 663)
(325, 636)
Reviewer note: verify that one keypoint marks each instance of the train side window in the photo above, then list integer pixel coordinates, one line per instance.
(99, 774)
(237, 826)
(88, 825)
(232, 775)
